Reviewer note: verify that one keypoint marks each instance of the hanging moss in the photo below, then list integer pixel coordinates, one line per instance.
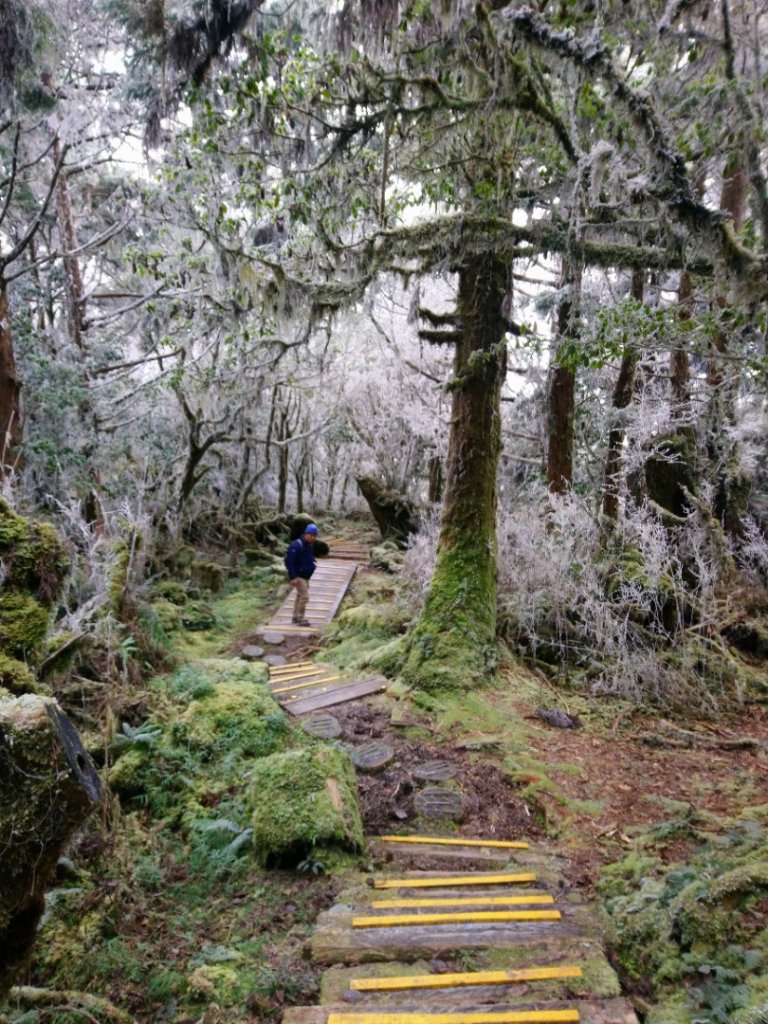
(304, 800)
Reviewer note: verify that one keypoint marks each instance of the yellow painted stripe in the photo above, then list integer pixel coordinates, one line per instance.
(281, 627)
(501, 844)
(489, 1017)
(299, 673)
(469, 917)
(464, 901)
(291, 666)
(444, 883)
(300, 686)
(406, 983)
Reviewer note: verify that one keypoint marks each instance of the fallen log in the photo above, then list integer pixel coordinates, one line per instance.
(48, 787)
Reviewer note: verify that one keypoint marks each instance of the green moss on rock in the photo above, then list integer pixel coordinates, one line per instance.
(18, 678)
(302, 800)
(33, 555)
(23, 624)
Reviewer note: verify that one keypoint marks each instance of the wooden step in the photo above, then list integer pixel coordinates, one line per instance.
(335, 941)
(608, 1011)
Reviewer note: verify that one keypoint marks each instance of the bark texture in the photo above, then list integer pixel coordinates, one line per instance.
(453, 644)
(10, 388)
(562, 387)
(48, 787)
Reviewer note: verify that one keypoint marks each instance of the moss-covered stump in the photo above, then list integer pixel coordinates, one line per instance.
(48, 787)
(304, 800)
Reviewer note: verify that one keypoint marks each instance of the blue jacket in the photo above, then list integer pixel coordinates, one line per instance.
(300, 560)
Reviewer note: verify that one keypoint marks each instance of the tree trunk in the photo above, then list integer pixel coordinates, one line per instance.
(10, 388)
(732, 484)
(453, 644)
(562, 386)
(435, 492)
(394, 514)
(679, 360)
(48, 787)
(622, 396)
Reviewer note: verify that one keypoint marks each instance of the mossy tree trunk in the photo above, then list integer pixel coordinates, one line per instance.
(453, 644)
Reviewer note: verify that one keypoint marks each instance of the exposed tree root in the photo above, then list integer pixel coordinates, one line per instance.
(67, 1000)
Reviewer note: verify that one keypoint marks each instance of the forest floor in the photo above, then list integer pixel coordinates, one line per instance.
(148, 923)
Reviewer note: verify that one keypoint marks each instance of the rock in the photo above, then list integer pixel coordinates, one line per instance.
(372, 757)
(435, 802)
(275, 659)
(251, 652)
(558, 718)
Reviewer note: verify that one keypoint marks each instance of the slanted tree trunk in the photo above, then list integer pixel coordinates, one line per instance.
(10, 387)
(394, 514)
(48, 787)
(622, 396)
(562, 385)
(453, 644)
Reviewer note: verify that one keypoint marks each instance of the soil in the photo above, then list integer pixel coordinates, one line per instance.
(492, 807)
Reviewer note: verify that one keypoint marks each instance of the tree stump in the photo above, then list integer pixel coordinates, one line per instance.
(434, 771)
(444, 804)
(372, 757)
(48, 787)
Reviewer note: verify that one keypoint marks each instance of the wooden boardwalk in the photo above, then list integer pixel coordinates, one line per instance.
(326, 592)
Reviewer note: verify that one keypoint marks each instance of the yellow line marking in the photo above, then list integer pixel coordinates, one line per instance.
(403, 984)
(290, 667)
(498, 1017)
(500, 844)
(298, 674)
(312, 682)
(442, 883)
(464, 901)
(470, 917)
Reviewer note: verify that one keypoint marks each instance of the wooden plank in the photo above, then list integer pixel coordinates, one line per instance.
(489, 1017)
(417, 981)
(338, 695)
(500, 844)
(291, 666)
(464, 901)
(300, 673)
(311, 682)
(451, 880)
(602, 1011)
(461, 917)
(442, 841)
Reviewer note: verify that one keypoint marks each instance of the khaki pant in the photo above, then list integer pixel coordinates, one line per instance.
(302, 597)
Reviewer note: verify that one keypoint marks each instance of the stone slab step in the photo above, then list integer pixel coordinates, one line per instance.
(608, 1011)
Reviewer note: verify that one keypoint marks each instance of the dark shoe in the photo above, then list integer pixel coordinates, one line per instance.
(303, 622)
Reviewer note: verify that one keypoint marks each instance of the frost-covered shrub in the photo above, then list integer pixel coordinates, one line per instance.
(617, 611)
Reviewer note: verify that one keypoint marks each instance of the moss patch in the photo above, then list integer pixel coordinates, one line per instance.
(304, 799)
